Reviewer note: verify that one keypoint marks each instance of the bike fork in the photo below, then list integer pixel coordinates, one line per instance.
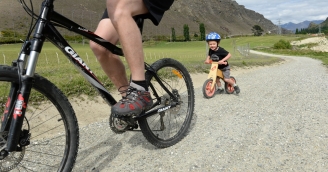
(11, 126)
(17, 102)
(30, 53)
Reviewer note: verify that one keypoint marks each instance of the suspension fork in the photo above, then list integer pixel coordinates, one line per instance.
(18, 98)
(8, 107)
(26, 79)
(18, 114)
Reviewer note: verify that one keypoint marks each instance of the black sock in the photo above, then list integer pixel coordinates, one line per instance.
(141, 83)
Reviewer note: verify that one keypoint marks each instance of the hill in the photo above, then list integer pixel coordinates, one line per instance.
(317, 28)
(224, 16)
(316, 25)
(305, 24)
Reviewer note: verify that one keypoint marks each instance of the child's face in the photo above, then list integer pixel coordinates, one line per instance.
(213, 45)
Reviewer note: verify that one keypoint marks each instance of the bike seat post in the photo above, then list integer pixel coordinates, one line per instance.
(140, 22)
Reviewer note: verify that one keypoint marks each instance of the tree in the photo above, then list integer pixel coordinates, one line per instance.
(296, 32)
(186, 32)
(257, 30)
(174, 38)
(202, 32)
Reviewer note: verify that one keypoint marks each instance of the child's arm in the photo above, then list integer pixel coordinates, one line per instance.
(224, 60)
(207, 61)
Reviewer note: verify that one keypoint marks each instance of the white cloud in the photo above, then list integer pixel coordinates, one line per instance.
(283, 11)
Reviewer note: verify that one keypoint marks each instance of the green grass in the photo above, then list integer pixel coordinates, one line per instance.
(53, 65)
(323, 56)
(296, 51)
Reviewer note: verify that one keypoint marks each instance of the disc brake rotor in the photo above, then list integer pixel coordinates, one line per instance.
(167, 100)
(13, 158)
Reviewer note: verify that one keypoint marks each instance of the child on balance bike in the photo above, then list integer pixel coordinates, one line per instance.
(219, 54)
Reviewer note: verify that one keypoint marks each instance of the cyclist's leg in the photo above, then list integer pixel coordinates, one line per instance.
(110, 63)
(121, 13)
(218, 82)
(231, 81)
(226, 74)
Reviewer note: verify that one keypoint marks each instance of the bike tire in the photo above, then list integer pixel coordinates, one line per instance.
(177, 120)
(53, 127)
(207, 92)
(228, 87)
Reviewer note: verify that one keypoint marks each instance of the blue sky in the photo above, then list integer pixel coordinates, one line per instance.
(285, 11)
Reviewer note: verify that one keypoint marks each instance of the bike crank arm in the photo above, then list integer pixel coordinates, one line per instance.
(157, 110)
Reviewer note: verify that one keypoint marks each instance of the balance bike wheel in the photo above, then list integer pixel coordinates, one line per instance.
(207, 92)
(228, 87)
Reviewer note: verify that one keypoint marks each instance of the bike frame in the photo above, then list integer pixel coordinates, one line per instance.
(214, 73)
(45, 29)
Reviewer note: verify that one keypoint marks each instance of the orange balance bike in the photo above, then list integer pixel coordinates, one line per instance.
(209, 87)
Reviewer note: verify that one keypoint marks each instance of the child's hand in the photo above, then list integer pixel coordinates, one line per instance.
(208, 61)
(222, 62)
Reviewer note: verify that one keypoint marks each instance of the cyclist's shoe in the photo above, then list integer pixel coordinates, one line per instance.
(133, 104)
(220, 91)
(237, 89)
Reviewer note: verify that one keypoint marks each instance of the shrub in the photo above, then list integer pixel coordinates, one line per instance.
(282, 44)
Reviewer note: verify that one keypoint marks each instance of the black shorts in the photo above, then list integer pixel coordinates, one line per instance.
(156, 10)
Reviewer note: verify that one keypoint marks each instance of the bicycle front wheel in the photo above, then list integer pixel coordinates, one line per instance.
(51, 123)
(167, 128)
(207, 91)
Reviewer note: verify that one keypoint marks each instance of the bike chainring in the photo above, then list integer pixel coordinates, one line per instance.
(120, 125)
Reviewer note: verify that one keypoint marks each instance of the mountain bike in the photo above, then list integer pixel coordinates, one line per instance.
(209, 86)
(39, 129)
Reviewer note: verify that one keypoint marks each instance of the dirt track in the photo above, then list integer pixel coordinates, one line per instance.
(278, 122)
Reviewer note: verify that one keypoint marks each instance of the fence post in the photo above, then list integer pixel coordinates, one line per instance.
(46, 58)
(57, 57)
(87, 56)
(4, 58)
(248, 48)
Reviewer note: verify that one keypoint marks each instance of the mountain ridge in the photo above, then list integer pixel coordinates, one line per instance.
(226, 17)
(305, 24)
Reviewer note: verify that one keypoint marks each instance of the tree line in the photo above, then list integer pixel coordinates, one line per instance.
(314, 30)
(8, 36)
(186, 33)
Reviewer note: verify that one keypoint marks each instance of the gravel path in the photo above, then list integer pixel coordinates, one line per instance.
(278, 122)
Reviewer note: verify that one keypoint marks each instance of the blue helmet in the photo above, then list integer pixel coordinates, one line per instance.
(213, 36)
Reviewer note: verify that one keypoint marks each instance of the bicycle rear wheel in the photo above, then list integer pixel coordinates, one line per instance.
(50, 120)
(168, 127)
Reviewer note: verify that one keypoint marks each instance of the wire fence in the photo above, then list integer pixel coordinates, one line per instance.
(244, 50)
(57, 59)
